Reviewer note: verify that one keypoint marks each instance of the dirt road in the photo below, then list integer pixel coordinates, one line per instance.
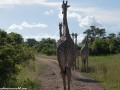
(51, 78)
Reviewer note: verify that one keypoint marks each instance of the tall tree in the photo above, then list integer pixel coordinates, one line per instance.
(94, 33)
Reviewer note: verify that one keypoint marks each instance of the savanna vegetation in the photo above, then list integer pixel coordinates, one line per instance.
(104, 60)
(20, 67)
(100, 43)
(18, 64)
(106, 70)
(45, 46)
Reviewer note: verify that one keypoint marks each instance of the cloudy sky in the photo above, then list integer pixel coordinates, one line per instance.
(39, 18)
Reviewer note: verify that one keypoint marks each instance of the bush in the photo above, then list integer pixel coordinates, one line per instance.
(31, 85)
(46, 46)
(12, 55)
(99, 47)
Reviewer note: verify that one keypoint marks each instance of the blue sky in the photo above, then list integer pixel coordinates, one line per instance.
(39, 18)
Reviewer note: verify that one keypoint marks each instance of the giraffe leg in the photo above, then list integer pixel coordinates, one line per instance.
(64, 81)
(78, 63)
(68, 72)
(75, 65)
(84, 65)
(87, 64)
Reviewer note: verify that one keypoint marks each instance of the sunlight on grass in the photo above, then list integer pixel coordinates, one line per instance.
(106, 69)
(29, 76)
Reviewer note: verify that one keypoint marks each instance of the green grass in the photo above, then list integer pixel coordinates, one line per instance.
(106, 69)
(29, 75)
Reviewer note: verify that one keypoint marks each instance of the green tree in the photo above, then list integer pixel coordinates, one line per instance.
(94, 33)
(99, 47)
(2, 37)
(111, 36)
(14, 38)
(114, 43)
(31, 42)
(46, 46)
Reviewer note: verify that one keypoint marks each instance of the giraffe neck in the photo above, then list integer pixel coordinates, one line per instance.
(76, 40)
(73, 38)
(60, 32)
(86, 42)
(65, 25)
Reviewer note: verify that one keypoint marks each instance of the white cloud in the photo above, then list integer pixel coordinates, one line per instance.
(74, 15)
(70, 15)
(103, 15)
(80, 37)
(39, 37)
(60, 15)
(13, 2)
(14, 26)
(89, 21)
(51, 4)
(85, 22)
(27, 25)
(48, 12)
(83, 10)
(28, 2)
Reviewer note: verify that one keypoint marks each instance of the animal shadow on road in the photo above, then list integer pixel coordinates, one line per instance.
(86, 80)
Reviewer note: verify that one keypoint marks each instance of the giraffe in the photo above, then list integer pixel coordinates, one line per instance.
(60, 28)
(76, 49)
(73, 37)
(65, 50)
(84, 52)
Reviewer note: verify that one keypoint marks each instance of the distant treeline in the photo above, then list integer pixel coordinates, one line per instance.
(45, 46)
(99, 43)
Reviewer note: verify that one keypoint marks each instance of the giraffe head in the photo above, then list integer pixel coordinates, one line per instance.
(76, 35)
(60, 26)
(64, 7)
(86, 40)
(73, 34)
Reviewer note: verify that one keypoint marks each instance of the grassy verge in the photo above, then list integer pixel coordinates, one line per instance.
(106, 69)
(49, 57)
(29, 76)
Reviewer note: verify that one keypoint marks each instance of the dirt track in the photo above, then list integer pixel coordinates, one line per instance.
(51, 78)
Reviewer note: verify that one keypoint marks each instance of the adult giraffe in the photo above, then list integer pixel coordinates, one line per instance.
(73, 37)
(84, 52)
(65, 50)
(76, 49)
